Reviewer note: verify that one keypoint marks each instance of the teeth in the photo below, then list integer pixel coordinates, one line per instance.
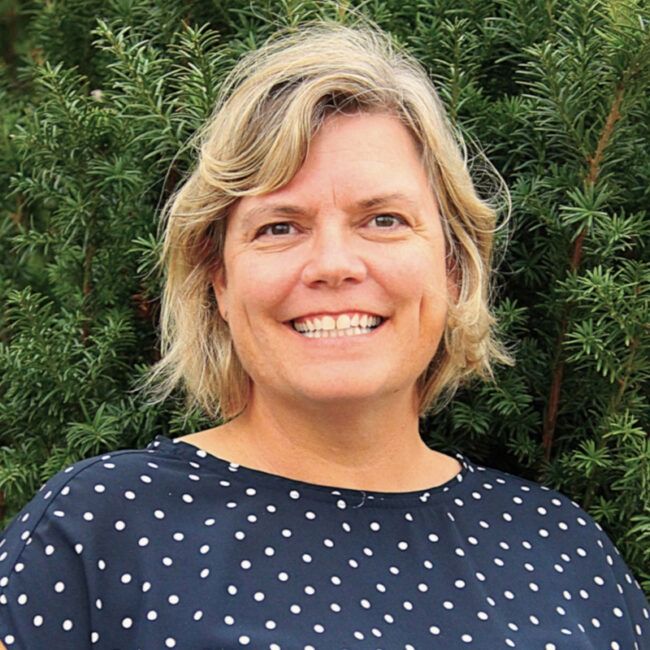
(328, 323)
(343, 322)
(343, 325)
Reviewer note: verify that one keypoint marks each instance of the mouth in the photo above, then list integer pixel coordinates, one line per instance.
(333, 326)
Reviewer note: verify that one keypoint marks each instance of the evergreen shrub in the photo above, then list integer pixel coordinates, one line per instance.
(98, 104)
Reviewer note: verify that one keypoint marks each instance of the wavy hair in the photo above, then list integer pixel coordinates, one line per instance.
(270, 107)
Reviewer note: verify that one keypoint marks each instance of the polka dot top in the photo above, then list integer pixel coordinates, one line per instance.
(170, 547)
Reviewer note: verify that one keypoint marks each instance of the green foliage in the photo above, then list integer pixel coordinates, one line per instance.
(99, 103)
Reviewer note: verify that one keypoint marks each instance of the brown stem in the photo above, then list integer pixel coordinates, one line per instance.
(87, 285)
(548, 430)
(9, 50)
(606, 135)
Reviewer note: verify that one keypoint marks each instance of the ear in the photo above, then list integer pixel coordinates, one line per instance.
(453, 278)
(220, 288)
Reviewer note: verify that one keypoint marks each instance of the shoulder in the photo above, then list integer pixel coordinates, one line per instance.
(564, 539)
(538, 515)
(85, 492)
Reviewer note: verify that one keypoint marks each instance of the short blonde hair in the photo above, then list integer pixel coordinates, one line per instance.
(271, 105)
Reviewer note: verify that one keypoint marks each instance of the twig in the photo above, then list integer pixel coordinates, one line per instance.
(550, 421)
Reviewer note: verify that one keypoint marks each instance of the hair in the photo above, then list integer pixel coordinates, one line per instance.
(270, 107)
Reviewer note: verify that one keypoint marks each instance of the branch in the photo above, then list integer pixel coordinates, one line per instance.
(548, 431)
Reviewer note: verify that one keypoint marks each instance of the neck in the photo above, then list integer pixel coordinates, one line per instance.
(374, 447)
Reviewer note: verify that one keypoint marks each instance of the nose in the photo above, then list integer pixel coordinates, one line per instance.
(334, 258)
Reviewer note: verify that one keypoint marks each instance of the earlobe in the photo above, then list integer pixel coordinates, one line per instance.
(220, 289)
(453, 279)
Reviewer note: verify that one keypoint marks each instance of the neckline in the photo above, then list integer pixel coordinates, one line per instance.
(229, 471)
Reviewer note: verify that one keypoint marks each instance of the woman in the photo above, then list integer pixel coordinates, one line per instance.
(327, 269)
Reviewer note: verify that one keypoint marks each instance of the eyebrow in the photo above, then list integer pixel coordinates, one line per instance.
(385, 199)
(288, 210)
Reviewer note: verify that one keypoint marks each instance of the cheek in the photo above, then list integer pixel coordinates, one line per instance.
(418, 275)
(256, 288)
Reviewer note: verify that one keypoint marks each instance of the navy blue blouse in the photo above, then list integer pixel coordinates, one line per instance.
(170, 547)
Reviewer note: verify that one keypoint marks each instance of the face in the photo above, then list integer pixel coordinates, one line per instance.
(335, 286)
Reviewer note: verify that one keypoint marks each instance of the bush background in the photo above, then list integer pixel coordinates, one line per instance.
(98, 103)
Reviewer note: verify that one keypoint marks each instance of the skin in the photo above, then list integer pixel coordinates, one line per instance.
(356, 232)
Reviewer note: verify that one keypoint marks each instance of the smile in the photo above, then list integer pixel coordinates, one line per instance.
(351, 324)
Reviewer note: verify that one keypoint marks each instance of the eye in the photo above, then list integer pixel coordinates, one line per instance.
(386, 221)
(276, 229)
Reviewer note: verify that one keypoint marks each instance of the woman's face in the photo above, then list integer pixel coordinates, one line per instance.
(335, 287)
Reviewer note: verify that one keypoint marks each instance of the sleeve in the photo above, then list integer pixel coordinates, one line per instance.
(626, 602)
(43, 587)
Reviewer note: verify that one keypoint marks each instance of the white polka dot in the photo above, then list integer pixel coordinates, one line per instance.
(67, 625)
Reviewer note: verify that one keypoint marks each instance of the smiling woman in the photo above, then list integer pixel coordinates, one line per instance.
(327, 281)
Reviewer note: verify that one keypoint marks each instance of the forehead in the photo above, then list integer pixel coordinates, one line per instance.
(364, 159)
